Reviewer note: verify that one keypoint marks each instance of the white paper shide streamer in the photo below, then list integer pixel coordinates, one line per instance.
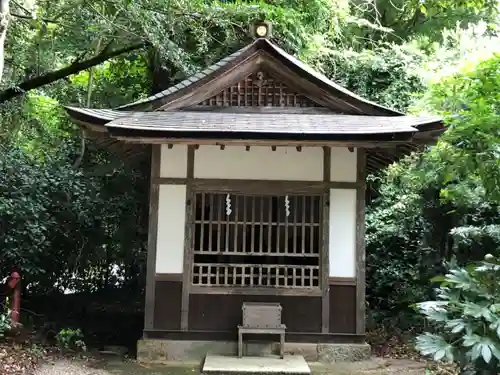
(287, 206)
(229, 210)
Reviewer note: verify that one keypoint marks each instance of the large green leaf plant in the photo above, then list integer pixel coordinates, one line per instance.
(465, 318)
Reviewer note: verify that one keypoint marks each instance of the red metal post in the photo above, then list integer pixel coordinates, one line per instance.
(15, 285)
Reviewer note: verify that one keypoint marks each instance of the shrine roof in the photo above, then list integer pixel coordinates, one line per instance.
(231, 124)
(261, 92)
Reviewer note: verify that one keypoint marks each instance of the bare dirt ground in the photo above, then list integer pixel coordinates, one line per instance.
(376, 366)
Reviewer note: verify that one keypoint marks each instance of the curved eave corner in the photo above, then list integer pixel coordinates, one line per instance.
(428, 133)
(92, 119)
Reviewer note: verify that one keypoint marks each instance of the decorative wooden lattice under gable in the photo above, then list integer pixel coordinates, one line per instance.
(259, 90)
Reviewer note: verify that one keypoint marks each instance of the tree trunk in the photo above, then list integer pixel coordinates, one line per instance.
(4, 23)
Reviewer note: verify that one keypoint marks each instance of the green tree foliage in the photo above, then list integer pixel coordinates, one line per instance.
(62, 227)
(428, 17)
(388, 74)
(470, 150)
(465, 165)
(442, 203)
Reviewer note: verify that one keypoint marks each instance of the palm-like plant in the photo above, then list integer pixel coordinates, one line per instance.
(465, 318)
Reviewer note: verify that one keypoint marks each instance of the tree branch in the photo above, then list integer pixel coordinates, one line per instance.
(25, 17)
(56, 75)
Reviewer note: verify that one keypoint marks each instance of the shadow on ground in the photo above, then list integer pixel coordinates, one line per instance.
(119, 367)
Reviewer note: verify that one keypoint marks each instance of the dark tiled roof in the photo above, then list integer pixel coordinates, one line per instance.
(270, 123)
(306, 68)
(188, 81)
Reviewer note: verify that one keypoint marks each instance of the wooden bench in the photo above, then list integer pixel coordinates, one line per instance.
(263, 319)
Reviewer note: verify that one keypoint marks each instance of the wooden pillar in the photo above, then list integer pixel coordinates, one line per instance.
(188, 235)
(360, 242)
(325, 248)
(154, 197)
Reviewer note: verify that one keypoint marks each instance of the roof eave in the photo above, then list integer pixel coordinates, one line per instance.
(242, 137)
(428, 133)
(92, 123)
(103, 121)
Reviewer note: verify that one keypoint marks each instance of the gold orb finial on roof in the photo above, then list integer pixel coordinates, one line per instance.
(261, 29)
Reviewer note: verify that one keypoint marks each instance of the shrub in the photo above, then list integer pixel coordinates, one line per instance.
(5, 324)
(466, 318)
(71, 339)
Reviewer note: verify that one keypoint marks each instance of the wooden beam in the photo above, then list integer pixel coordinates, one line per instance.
(271, 110)
(260, 142)
(342, 281)
(188, 235)
(177, 277)
(236, 184)
(256, 291)
(154, 197)
(325, 248)
(360, 243)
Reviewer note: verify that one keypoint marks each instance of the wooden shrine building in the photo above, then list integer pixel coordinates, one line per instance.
(258, 168)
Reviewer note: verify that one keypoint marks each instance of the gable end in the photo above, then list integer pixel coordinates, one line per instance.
(259, 89)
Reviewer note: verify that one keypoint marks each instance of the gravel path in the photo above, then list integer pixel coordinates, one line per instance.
(66, 367)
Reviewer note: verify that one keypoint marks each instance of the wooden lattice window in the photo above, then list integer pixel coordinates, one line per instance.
(247, 240)
(259, 90)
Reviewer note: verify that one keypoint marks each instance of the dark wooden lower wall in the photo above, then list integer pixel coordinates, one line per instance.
(168, 297)
(222, 312)
(342, 308)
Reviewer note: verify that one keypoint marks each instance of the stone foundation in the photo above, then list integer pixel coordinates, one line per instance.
(163, 351)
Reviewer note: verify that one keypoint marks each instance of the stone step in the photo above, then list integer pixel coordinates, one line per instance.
(227, 365)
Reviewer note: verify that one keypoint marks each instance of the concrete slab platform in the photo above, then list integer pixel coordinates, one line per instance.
(289, 365)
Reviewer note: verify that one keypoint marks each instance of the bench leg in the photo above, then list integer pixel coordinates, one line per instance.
(240, 344)
(282, 345)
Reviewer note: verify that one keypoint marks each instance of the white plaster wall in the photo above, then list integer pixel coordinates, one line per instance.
(259, 163)
(170, 241)
(173, 161)
(343, 164)
(234, 162)
(342, 249)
